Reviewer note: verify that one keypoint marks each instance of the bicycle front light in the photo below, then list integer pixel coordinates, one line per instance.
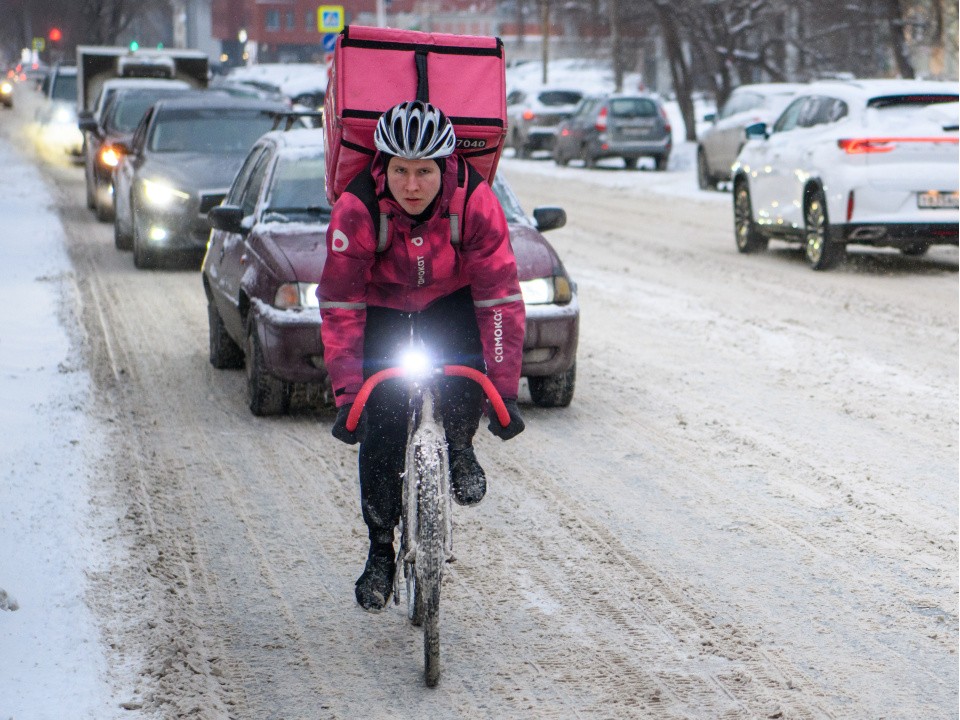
(415, 364)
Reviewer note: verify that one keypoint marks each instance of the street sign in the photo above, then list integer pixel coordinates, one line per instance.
(330, 42)
(330, 18)
(39, 44)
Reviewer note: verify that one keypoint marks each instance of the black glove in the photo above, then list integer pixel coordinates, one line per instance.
(339, 430)
(514, 428)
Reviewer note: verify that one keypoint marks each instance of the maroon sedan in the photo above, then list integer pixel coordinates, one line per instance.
(266, 251)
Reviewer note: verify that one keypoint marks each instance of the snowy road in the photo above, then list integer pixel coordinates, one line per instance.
(749, 511)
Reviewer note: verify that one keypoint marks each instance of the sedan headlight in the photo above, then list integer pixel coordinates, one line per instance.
(6, 88)
(296, 296)
(543, 291)
(162, 194)
(109, 156)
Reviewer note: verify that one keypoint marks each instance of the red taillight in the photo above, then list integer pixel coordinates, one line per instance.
(850, 206)
(601, 123)
(528, 115)
(862, 146)
(564, 132)
(666, 119)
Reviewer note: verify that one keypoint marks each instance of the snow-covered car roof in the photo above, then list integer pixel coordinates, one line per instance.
(861, 91)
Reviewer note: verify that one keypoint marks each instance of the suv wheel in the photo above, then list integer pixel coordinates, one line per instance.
(704, 179)
(630, 163)
(749, 239)
(821, 252)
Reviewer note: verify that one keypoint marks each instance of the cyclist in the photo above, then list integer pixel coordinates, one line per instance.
(464, 297)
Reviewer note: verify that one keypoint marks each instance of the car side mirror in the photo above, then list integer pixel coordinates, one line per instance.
(88, 124)
(227, 218)
(549, 218)
(756, 131)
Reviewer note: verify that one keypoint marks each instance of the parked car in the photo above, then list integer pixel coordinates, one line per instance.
(721, 142)
(616, 125)
(533, 117)
(111, 124)
(57, 115)
(179, 163)
(872, 162)
(266, 254)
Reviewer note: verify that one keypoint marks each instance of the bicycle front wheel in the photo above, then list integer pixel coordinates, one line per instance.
(431, 464)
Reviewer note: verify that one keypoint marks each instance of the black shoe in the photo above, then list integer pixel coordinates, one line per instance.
(375, 585)
(466, 476)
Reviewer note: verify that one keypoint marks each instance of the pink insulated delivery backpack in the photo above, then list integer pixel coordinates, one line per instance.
(376, 68)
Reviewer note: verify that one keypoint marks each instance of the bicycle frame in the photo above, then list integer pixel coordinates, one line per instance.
(426, 505)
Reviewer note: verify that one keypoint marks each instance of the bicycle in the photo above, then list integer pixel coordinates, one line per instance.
(426, 529)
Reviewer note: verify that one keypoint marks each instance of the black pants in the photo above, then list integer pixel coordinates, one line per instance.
(449, 331)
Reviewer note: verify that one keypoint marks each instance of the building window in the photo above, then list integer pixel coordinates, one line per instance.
(273, 20)
(291, 21)
(310, 22)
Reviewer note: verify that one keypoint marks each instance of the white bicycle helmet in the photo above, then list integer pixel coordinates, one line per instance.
(415, 131)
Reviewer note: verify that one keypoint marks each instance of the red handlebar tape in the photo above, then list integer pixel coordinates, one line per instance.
(460, 370)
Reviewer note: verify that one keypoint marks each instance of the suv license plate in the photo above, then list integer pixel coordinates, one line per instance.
(935, 200)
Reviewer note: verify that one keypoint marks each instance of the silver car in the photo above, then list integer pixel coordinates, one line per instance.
(721, 142)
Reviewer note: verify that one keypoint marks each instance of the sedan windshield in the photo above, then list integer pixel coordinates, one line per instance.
(210, 130)
(508, 201)
(298, 190)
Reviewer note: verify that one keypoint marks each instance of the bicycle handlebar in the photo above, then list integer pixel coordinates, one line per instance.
(503, 417)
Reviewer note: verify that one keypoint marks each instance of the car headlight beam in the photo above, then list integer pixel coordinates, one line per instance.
(162, 194)
(546, 290)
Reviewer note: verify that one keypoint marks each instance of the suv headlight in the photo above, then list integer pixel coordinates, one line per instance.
(162, 194)
(296, 296)
(543, 291)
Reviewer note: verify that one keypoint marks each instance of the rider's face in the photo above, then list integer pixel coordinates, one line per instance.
(414, 183)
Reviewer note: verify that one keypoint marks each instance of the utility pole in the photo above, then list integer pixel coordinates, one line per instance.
(381, 13)
(545, 33)
(617, 55)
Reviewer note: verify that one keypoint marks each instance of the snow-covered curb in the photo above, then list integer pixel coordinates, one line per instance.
(53, 663)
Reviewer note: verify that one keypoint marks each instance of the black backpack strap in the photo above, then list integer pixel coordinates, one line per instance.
(467, 181)
(364, 187)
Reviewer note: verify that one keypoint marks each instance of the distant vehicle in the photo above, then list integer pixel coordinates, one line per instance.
(266, 254)
(721, 142)
(533, 117)
(628, 126)
(179, 164)
(57, 116)
(99, 64)
(113, 123)
(871, 162)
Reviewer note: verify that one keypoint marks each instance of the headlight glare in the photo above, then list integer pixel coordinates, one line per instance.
(296, 296)
(109, 156)
(162, 194)
(543, 291)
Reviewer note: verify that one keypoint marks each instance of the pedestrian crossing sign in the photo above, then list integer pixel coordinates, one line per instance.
(330, 18)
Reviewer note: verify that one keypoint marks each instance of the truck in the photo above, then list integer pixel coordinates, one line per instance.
(98, 63)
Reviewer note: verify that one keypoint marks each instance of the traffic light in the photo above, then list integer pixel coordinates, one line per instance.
(55, 35)
(134, 46)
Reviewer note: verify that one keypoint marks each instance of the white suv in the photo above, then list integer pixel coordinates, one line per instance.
(873, 162)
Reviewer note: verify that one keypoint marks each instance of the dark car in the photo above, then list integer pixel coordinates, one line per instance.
(266, 254)
(180, 162)
(117, 121)
(624, 126)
